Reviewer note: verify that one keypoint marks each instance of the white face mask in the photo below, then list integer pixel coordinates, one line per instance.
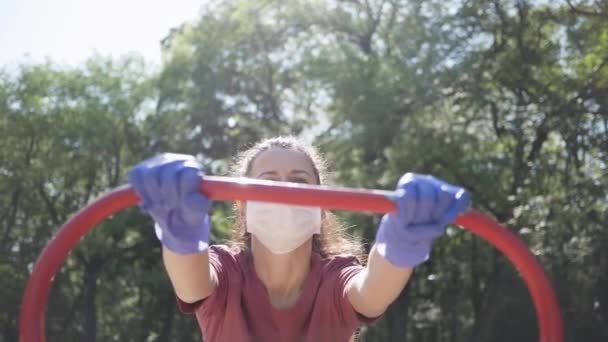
(280, 227)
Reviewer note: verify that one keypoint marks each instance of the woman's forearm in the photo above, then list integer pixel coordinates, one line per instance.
(376, 287)
(192, 277)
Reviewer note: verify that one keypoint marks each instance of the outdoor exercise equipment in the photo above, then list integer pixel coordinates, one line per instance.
(33, 310)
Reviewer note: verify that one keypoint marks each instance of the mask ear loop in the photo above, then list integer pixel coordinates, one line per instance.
(35, 299)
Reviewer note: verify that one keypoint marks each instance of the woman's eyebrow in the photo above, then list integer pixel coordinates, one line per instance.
(300, 171)
(275, 173)
(268, 173)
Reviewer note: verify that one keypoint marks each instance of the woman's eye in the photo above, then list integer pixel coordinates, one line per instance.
(298, 180)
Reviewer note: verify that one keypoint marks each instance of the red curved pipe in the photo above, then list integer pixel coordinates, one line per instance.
(32, 316)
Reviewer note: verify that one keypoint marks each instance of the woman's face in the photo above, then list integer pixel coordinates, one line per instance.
(284, 165)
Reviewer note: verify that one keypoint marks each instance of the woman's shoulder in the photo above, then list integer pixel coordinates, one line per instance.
(226, 250)
(223, 250)
(336, 263)
(227, 257)
(336, 272)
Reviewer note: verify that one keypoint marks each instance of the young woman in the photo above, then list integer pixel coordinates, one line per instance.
(290, 273)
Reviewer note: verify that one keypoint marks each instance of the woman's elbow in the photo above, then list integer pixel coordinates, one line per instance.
(372, 310)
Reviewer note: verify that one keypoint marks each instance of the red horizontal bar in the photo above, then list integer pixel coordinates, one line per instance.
(326, 197)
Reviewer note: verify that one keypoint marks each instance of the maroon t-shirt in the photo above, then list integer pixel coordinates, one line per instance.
(240, 310)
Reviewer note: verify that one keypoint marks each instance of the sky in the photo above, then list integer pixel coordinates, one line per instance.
(70, 31)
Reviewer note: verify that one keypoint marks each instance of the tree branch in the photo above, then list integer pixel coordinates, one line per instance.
(50, 204)
(589, 13)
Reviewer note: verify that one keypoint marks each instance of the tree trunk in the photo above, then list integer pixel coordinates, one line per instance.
(484, 326)
(91, 274)
(168, 317)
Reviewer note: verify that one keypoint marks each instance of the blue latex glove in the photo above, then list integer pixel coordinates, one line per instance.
(168, 188)
(425, 206)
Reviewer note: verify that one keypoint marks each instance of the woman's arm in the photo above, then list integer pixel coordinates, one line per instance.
(167, 186)
(425, 205)
(372, 290)
(192, 277)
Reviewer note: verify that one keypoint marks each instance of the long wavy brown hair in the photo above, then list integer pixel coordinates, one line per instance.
(333, 240)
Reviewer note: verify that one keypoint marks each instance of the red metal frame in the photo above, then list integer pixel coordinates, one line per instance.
(33, 310)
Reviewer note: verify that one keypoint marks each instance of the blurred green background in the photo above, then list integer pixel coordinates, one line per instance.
(506, 98)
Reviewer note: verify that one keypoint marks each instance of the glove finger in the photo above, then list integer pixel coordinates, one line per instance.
(166, 158)
(451, 189)
(424, 232)
(406, 203)
(443, 185)
(460, 203)
(190, 177)
(444, 202)
(195, 208)
(151, 184)
(425, 202)
(169, 175)
(136, 180)
(196, 202)
(407, 179)
(447, 196)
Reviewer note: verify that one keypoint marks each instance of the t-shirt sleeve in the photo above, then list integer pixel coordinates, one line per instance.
(345, 268)
(223, 264)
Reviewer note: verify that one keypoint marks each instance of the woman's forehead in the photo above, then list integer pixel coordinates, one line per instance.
(281, 160)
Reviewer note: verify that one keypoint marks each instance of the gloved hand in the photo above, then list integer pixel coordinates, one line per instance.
(168, 187)
(425, 205)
